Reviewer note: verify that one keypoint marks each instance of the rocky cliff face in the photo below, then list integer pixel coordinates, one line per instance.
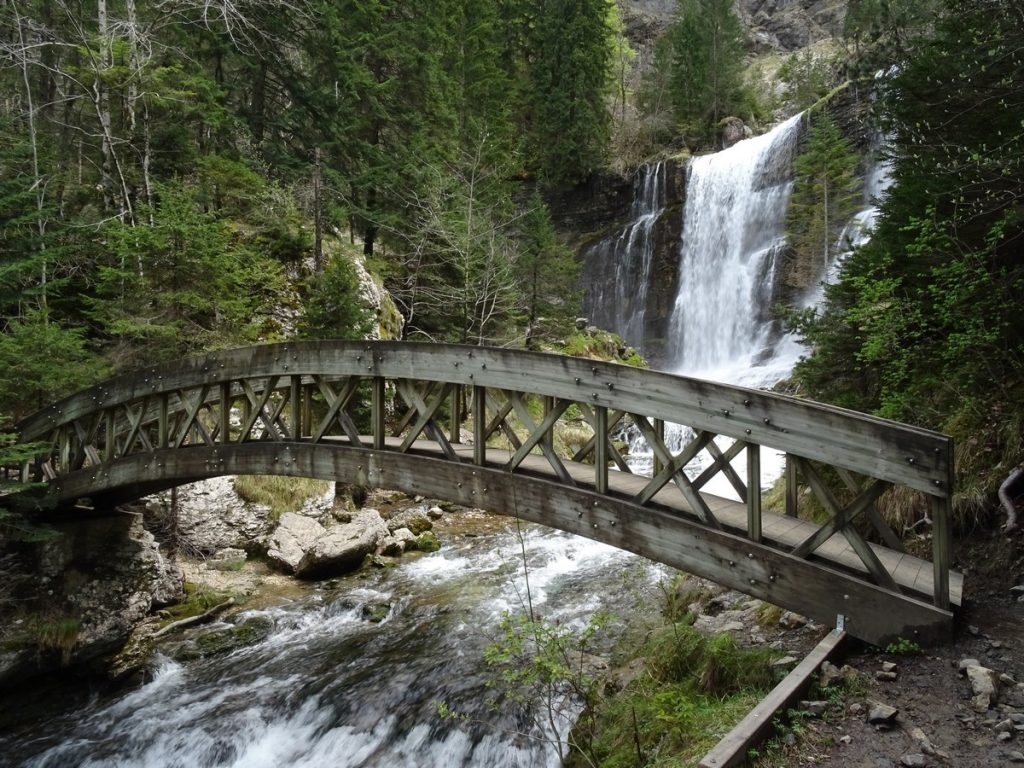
(772, 25)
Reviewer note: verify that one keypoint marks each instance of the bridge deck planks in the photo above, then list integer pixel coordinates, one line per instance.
(911, 573)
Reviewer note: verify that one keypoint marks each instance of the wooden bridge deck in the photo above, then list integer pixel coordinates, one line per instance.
(911, 573)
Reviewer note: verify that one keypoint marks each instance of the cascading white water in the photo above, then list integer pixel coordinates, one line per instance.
(721, 327)
(620, 302)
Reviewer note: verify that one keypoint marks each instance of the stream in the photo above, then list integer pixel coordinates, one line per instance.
(332, 686)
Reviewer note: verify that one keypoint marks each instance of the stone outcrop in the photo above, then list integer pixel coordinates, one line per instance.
(294, 536)
(207, 517)
(92, 585)
(786, 25)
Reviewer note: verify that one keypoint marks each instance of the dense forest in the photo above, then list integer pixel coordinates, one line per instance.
(179, 175)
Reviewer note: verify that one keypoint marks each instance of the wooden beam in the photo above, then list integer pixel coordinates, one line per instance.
(759, 723)
(479, 426)
(377, 412)
(792, 487)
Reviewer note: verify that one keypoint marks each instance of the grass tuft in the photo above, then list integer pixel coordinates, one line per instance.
(281, 494)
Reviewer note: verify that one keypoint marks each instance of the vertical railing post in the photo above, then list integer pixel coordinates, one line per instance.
(791, 489)
(479, 426)
(225, 412)
(377, 413)
(659, 430)
(307, 408)
(295, 396)
(162, 427)
(753, 491)
(549, 436)
(65, 448)
(455, 428)
(941, 512)
(110, 443)
(600, 449)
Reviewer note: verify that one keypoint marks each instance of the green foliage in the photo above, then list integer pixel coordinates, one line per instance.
(333, 308)
(808, 77)
(41, 361)
(701, 55)
(548, 273)
(903, 647)
(182, 285)
(539, 668)
(569, 71)
(694, 688)
(924, 324)
(58, 634)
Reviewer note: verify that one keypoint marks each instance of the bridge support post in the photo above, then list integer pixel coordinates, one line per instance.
(225, 413)
(754, 492)
(659, 430)
(295, 398)
(941, 509)
(455, 423)
(163, 431)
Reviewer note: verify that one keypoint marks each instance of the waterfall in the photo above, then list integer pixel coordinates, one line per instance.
(619, 302)
(721, 326)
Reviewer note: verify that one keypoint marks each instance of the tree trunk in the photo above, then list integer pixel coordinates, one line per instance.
(1012, 487)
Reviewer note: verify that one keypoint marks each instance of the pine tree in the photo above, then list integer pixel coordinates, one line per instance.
(569, 70)
(703, 53)
(826, 193)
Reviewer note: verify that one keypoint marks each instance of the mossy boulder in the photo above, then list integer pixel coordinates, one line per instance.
(226, 639)
(427, 542)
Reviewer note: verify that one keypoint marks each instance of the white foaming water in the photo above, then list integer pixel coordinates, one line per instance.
(721, 326)
(621, 302)
(330, 686)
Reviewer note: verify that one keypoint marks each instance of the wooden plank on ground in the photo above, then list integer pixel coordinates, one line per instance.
(756, 726)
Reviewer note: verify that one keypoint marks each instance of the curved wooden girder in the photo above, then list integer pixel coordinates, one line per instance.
(871, 613)
(882, 449)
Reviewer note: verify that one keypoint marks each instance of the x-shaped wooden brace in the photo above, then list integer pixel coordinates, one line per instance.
(134, 431)
(499, 421)
(258, 403)
(337, 403)
(613, 420)
(85, 440)
(673, 470)
(842, 517)
(192, 409)
(723, 463)
(425, 421)
(535, 436)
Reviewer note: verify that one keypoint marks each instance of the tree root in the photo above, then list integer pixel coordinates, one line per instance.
(1012, 487)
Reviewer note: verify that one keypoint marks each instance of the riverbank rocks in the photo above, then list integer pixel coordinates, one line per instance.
(303, 547)
(984, 684)
(342, 547)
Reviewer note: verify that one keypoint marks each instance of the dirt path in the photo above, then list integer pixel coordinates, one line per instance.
(937, 722)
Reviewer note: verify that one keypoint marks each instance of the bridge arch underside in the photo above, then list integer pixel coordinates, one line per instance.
(815, 588)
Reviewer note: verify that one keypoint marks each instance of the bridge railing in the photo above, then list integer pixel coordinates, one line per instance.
(317, 391)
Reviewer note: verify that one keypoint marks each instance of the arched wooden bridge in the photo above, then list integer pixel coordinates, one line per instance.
(476, 425)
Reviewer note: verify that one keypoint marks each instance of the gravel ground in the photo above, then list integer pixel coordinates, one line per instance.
(937, 722)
